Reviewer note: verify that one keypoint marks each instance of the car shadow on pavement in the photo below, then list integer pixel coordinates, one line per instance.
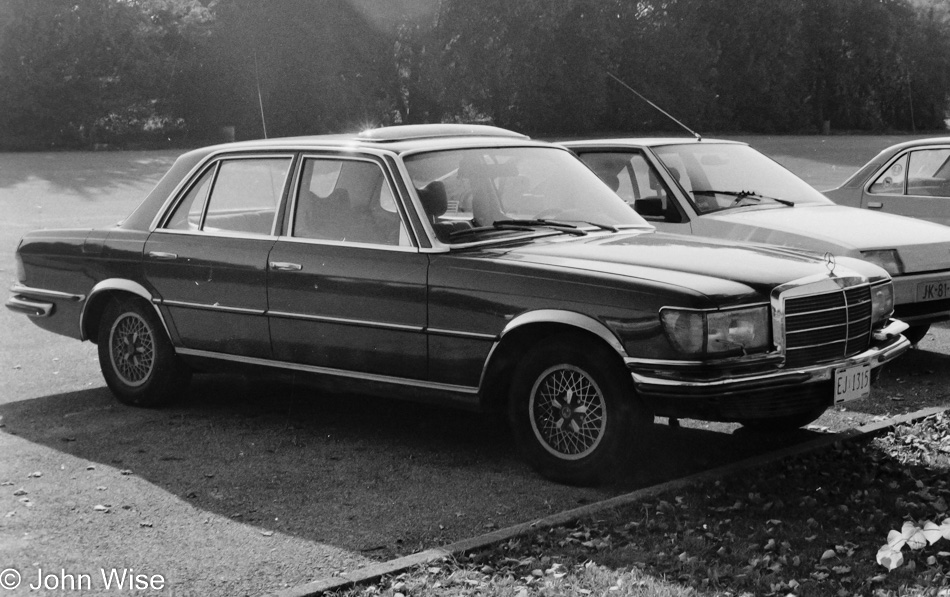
(378, 477)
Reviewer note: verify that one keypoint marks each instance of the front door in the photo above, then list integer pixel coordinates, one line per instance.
(347, 290)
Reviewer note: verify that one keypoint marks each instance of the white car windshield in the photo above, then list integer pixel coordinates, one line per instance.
(493, 192)
(721, 176)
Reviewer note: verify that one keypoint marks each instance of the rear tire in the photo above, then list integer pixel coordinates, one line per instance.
(137, 359)
(573, 411)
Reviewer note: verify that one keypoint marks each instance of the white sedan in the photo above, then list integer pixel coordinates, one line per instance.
(728, 190)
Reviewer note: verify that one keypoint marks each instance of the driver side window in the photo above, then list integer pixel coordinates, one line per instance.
(636, 181)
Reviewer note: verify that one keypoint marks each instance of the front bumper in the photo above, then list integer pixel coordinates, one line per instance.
(755, 395)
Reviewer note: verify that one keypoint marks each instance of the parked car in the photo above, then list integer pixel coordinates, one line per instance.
(463, 265)
(728, 190)
(910, 179)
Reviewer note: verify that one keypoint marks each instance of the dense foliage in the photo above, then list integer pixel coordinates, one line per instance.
(81, 72)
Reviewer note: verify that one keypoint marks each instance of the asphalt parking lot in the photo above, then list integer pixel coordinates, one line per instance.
(250, 485)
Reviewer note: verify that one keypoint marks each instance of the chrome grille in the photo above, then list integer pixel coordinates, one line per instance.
(827, 326)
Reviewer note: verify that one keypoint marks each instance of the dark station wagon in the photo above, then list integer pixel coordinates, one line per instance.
(464, 265)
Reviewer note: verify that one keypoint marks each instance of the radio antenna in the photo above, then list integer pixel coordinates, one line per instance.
(661, 110)
(260, 99)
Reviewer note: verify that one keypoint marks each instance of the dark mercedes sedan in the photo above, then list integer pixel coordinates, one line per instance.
(462, 265)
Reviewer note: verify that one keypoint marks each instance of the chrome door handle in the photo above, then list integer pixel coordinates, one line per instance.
(284, 266)
(162, 255)
(875, 205)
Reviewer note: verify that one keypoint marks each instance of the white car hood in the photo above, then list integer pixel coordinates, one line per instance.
(922, 246)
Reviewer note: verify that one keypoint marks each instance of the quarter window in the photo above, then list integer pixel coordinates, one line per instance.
(892, 181)
(187, 215)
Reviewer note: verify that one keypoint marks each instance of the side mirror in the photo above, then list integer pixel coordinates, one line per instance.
(649, 207)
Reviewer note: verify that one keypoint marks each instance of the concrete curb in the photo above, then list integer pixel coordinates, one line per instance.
(375, 571)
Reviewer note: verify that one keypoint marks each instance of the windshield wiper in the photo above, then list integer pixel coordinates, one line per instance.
(521, 226)
(561, 226)
(740, 195)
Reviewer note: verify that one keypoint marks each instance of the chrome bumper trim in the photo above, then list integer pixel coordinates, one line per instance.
(29, 307)
(874, 356)
(43, 293)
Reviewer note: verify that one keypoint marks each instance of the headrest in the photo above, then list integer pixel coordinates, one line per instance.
(612, 181)
(434, 200)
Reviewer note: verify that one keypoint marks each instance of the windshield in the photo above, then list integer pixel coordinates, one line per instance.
(481, 193)
(722, 176)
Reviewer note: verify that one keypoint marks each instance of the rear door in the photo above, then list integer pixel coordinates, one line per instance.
(207, 260)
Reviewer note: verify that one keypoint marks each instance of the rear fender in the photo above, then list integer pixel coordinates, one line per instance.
(99, 297)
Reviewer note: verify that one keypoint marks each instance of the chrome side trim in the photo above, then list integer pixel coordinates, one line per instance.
(28, 307)
(342, 321)
(341, 243)
(568, 318)
(44, 293)
(459, 334)
(328, 371)
(223, 309)
(122, 285)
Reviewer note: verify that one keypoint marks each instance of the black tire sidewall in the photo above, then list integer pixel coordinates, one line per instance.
(624, 417)
(167, 377)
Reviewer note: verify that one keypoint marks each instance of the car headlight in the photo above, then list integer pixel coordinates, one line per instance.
(717, 333)
(885, 258)
(882, 303)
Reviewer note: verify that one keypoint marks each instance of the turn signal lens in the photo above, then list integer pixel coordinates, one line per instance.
(882, 303)
(888, 259)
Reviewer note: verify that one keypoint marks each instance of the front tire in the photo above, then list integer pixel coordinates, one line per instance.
(573, 411)
(137, 359)
(916, 333)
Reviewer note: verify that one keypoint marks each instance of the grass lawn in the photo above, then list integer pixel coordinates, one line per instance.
(810, 525)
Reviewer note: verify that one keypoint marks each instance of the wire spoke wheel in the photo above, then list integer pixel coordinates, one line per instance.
(568, 412)
(132, 349)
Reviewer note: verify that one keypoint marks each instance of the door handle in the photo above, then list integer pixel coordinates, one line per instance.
(875, 205)
(284, 266)
(162, 255)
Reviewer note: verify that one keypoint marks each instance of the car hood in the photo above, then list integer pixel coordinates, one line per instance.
(922, 246)
(729, 272)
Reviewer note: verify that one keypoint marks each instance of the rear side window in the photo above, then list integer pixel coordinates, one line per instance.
(239, 195)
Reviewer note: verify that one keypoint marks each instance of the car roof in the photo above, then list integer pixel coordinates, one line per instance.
(643, 141)
(398, 139)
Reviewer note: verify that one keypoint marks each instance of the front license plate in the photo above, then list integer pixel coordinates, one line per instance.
(932, 291)
(852, 383)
